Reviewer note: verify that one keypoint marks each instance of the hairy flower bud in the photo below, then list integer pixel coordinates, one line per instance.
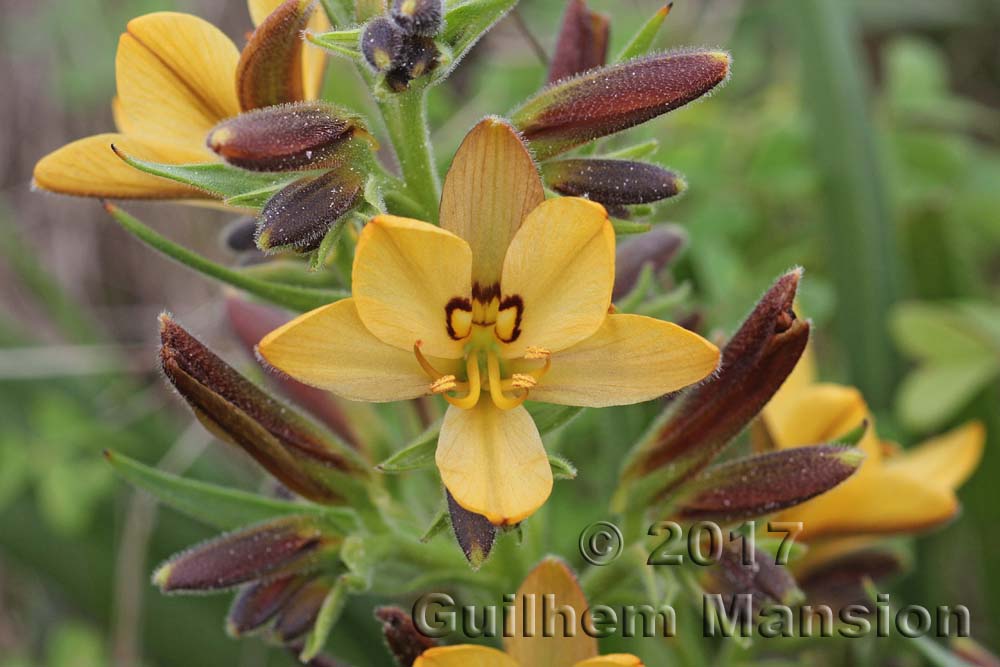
(755, 362)
(404, 640)
(288, 137)
(612, 182)
(285, 545)
(757, 485)
(418, 17)
(299, 613)
(609, 99)
(301, 214)
(582, 43)
(259, 602)
(474, 532)
(418, 56)
(741, 571)
(655, 248)
(381, 43)
(298, 453)
(270, 67)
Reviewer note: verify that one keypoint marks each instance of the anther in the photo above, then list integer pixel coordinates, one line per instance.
(443, 384)
(533, 352)
(523, 381)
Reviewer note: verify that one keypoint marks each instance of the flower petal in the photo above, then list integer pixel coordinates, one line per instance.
(405, 274)
(947, 460)
(89, 168)
(874, 501)
(561, 263)
(817, 413)
(331, 349)
(464, 655)
(563, 644)
(613, 660)
(313, 60)
(176, 77)
(630, 359)
(800, 379)
(491, 186)
(493, 463)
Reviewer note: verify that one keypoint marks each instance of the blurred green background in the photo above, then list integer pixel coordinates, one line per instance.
(859, 140)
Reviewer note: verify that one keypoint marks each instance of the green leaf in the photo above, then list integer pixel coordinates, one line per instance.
(561, 468)
(467, 22)
(642, 41)
(934, 393)
(329, 614)
(416, 455)
(937, 332)
(217, 178)
(340, 42)
(549, 416)
(289, 296)
(216, 505)
(636, 151)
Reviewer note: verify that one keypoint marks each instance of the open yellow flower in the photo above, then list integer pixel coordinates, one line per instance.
(528, 647)
(894, 491)
(176, 79)
(508, 299)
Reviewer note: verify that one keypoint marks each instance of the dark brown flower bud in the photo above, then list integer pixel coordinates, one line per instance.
(239, 234)
(741, 571)
(755, 362)
(282, 546)
(270, 68)
(474, 532)
(418, 56)
(609, 99)
(251, 321)
(612, 182)
(405, 642)
(259, 602)
(299, 454)
(299, 613)
(754, 486)
(838, 579)
(418, 17)
(381, 43)
(655, 248)
(582, 43)
(289, 137)
(299, 215)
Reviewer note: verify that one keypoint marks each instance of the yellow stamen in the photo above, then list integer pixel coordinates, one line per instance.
(444, 384)
(537, 353)
(432, 372)
(500, 399)
(523, 381)
(469, 400)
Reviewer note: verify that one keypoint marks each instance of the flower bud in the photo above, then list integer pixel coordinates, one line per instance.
(287, 137)
(270, 67)
(582, 43)
(297, 453)
(259, 602)
(299, 613)
(753, 486)
(754, 573)
(655, 248)
(609, 99)
(301, 214)
(612, 182)
(418, 56)
(755, 362)
(381, 43)
(836, 573)
(475, 533)
(404, 640)
(289, 544)
(418, 17)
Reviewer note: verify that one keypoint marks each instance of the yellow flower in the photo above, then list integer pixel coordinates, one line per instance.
(508, 299)
(894, 491)
(176, 79)
(530, 648)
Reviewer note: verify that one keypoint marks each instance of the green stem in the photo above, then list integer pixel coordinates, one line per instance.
(406, 121)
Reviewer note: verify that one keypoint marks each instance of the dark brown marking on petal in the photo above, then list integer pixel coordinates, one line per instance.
(516, 302)
(485, 294)
(457, 303)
